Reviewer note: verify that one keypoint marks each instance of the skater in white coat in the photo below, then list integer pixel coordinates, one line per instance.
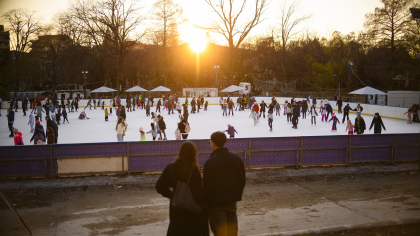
(313, 114)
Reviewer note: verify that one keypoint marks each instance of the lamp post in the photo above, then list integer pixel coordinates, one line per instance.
(216, 68)
(84, 87)
(350, 64)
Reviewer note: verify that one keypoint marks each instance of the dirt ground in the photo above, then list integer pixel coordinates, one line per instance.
(271, 205)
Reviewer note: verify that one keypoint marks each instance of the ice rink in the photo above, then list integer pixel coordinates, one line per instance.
(96, 129)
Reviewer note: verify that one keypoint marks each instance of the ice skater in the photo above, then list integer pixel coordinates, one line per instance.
(106, 114)
(83, 115)
(142, 134)
(231, 131)
(296, 114)
(313, 114)
(278, 108)
(323, 114)
(270, 120)
(147, 109)
(409, 112)
(65, 116)
(262, 108)
(346, 110)
(254, 116)
(224, 107)
(349, 127)
(159, 103)
(335, 120)
(231, 106)
(206, 105)
(377, 121)
(162, 127)
(153, 131)
(31, 122)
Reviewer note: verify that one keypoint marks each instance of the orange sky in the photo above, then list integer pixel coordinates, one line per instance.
(328, 15)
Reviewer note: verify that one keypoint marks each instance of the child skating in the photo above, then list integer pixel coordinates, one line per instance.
(231, 131)
(324, 114)
(270, 119)
(106, 114)
(142, 134)
(31, 122)
(335, 120)
(409, 112)
(349, 127)
(254, 116)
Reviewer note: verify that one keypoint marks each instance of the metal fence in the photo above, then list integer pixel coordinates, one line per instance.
(41, 160)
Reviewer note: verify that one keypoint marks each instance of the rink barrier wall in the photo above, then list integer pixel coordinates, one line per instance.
(391, 112)
(128, 157)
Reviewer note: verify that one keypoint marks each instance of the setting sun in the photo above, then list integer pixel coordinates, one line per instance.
(198, 45)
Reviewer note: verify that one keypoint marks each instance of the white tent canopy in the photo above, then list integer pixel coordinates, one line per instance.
(136, 89)
(160, 89)
(232, 88)
(368, 91)
(103, 89)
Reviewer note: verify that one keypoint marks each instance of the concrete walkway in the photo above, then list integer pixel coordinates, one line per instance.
(275, 202)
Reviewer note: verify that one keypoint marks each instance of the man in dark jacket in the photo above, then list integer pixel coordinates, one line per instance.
(377, 121)
(346, 110)
(339, 104)
(10, 121)
(329, 109)
(224, 183)
(53, 125)
(296, 113)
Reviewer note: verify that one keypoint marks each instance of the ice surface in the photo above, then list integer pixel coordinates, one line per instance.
(96, 129)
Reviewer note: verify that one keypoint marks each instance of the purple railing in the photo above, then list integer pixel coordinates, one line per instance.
(41, 160)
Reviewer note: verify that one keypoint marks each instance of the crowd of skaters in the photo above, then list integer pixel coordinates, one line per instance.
(56, 111)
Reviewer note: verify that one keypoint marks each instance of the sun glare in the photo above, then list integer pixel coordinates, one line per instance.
(198, 45)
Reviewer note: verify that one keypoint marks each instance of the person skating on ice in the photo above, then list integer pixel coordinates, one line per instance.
(205, 106)
(409, 112)
(142, 134)
(377, 122)
(296, 114)
(159, 103)
(231, 131)
(335, 121)
(329, 110)
(162, 127)
(346, 110)
(254, 116)
(289, 113)
(358, 109)
(147, 109)
(106, 114)
(224, 107)
(339, 104)
(83, 115)
(262, 108)
(304, 109)
(359, 125)
(349, 127)
(286, 103)
(313, 114)
(231, 106)
(270, 120)
(65, 116)
(278, 109)
(31, 122)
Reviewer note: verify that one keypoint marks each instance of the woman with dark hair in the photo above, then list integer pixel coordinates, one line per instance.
(377, 123)
(185, 169)
(120, 128)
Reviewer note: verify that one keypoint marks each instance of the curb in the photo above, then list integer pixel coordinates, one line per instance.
(337, 228)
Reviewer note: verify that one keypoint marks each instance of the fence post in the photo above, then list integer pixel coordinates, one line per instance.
(249, 154)
(128, 158)
(349, 148)
(394, 152)
(52, 162)
(301, 152)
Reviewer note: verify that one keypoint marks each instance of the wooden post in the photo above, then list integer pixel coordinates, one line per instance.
(52, 161)
(128, 158)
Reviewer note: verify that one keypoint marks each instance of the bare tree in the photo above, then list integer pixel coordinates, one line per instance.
(167, 17)
(109, 24)
(288, 28)
(23, 25)
(389, 22)
(233, 24)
